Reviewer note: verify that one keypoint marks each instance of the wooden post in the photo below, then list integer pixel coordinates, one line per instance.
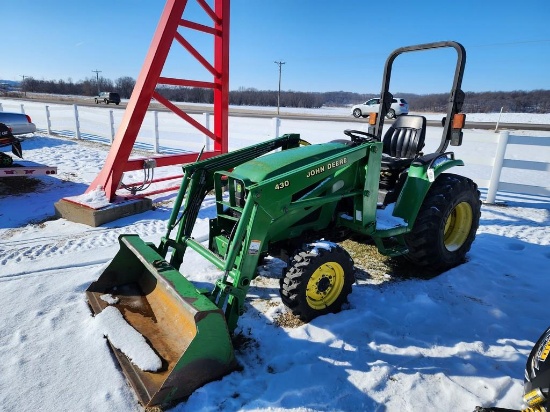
(112, 124)
(497, 167)
(76, 122)
(156, 131)
(48, 120)
(276, 123)
(207, 126)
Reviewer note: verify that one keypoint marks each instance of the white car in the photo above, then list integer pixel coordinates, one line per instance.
(399, 106)
(19, 123)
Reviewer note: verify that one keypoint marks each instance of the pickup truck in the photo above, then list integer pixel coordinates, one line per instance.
(18, 123)
(107, 97)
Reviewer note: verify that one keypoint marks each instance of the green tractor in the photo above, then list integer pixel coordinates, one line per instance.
(291, 200)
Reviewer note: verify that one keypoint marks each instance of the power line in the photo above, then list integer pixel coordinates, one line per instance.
(97, 77)
(25, 89)
(280, 63)
(510, 43)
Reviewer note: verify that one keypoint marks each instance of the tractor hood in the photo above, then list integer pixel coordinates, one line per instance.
(275, 164)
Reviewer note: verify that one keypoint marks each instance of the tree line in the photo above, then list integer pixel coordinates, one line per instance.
(87, 87)
(519, 101)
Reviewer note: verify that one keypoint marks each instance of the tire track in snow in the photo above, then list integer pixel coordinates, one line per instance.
(41, 239)
(50, 270)
(60, 245)
(519, 232)
(531, 225)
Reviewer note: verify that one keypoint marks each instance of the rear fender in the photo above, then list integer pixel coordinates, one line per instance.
(422, 173)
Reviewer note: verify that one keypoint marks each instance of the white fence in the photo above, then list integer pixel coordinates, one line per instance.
(100, 125)
(507, 143)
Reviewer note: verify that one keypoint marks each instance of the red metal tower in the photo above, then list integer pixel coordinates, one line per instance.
(165, 37)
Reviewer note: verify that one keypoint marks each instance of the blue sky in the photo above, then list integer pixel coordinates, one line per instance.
(327, 45)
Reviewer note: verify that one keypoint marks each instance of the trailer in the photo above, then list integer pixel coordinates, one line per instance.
(22, 167)
(28, 169)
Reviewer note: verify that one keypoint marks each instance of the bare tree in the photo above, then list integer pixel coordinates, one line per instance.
(124, 86)
(534, 101)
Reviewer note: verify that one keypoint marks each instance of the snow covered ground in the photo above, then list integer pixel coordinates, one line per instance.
(448, 343)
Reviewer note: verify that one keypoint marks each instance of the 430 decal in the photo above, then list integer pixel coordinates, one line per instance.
(282, 185)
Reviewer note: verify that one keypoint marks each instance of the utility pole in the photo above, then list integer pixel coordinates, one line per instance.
(24, 88)
(97, 77)
(279, 94)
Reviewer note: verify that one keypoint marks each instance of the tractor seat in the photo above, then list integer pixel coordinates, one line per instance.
(405, 138)
(402, 143)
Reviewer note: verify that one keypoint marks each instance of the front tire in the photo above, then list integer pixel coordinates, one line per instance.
(446, 225)
(357, 113)
(318, 281)
(391, 114)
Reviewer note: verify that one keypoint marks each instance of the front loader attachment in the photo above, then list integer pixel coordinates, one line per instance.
(186, 330)
(185, 327)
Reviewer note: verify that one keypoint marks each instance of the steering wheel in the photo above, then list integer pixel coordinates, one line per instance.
(358, 136)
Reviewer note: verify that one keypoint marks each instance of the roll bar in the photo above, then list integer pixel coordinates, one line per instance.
(456, 97)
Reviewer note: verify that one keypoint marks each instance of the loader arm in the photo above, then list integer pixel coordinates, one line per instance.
(266, 204)
(198, 181)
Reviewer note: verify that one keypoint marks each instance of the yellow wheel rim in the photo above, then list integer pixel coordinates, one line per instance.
(325, 285)
(458, 226)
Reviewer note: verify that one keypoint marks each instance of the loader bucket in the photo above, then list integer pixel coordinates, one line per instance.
(186, 330)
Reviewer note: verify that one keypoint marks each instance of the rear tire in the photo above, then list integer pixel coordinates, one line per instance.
(446, 225)
(357, 113)
(318, 281)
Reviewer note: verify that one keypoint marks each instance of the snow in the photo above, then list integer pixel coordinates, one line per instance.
(94, 199)
(446, 343)
(110, 299)
(125, 338)
(386, 220)
(322, 244)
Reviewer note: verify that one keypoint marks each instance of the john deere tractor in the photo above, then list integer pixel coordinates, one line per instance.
(291, 200)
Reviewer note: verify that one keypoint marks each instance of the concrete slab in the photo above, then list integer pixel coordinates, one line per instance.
(81, 213)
